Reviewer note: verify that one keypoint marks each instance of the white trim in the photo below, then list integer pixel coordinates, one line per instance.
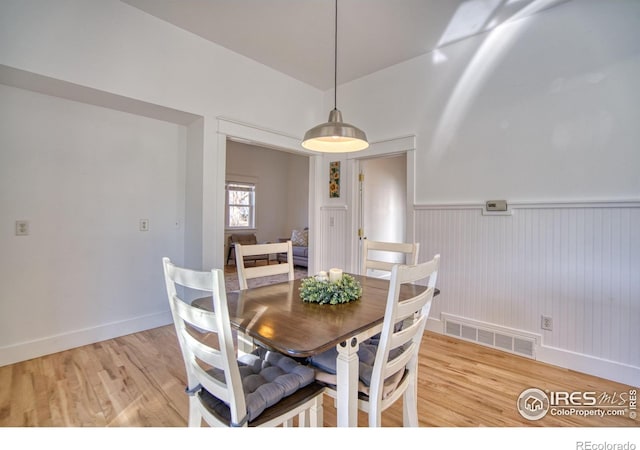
(235, 178)
(509, 212)
(535, 205)
(334, 208)
(52, 344)
(249, 186)
(578, 204)
(434, 325)
(386, 147)
(598, 367)
(410, 226)
(315, 201)
(263, 137)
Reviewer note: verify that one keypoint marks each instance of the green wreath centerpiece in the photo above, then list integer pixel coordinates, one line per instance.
(345, 290)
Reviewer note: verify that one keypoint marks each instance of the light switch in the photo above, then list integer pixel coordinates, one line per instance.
(22, 227)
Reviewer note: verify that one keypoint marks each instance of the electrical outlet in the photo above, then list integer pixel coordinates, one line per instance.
(22, 227)
(144, 224)
(546, 323)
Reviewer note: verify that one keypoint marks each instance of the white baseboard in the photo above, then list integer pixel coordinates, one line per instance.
(434, 325)
(57, 343)
(598, 367)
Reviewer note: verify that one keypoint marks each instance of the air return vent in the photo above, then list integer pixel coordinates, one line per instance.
(513, 341)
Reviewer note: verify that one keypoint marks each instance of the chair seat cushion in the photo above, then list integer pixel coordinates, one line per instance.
(326, 364)
(267, 378)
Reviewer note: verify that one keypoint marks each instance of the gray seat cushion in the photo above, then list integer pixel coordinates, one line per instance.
(267, 378)
(326, 363)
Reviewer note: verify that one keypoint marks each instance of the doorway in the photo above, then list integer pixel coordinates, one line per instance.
(273, 188)
(382, 203)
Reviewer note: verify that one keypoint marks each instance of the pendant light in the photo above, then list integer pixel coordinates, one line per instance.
(335, 136)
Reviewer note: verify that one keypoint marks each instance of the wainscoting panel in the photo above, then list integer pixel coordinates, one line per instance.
(578, 264)
(334, 248)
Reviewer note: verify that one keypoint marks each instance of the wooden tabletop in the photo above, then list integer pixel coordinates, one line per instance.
(276, 316)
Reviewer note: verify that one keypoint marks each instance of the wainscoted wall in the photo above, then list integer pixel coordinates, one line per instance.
(334, 251)
(577, 263)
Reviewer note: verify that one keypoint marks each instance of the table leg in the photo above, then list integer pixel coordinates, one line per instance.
(347, 383)
(245, 344)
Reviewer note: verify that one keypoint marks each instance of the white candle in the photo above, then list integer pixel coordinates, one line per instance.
(335, 275)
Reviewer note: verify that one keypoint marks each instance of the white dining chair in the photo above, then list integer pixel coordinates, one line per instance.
(388, 366)
(246, 273)
(376, 256)
(246, 344)
(264, 388)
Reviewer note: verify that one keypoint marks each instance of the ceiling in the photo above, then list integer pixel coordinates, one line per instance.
(296, 37)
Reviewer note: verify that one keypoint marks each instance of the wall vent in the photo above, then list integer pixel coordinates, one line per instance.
(513, 341)
(452, 328)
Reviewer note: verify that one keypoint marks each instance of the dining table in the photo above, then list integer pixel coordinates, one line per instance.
(276, 316)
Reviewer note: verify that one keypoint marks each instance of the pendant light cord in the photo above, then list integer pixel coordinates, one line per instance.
(335, 62)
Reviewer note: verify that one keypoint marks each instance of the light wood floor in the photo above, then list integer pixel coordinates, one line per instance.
(138, 380)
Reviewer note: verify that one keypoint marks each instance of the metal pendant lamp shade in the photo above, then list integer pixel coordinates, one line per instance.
(335, 136)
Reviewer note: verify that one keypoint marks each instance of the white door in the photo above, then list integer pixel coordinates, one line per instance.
(383, 203)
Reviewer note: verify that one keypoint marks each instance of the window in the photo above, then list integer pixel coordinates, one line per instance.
(241, 205)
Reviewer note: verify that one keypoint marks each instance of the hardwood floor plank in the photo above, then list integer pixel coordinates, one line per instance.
(138, 381)
(6, 377)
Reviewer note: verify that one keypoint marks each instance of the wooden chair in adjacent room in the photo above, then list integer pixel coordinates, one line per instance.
(246, 273)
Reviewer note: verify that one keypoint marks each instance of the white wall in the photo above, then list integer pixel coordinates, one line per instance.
(543, 113)
(115, 48)
(282, 187)
(121, 53)
(544, 108)
(83, 177)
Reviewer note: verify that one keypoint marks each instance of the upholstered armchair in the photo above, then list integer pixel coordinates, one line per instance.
(244, 239)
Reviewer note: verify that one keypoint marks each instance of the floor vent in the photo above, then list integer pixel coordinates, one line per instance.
(513, 341)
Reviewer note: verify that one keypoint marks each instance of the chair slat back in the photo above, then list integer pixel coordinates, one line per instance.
(247, 273)
(369, 263)
(404, 343)
(194, 327)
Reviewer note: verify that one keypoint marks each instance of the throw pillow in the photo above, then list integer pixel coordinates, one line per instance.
(300, 238)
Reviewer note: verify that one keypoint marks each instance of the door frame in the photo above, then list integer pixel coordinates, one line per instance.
(389, 147)
(263, 137)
